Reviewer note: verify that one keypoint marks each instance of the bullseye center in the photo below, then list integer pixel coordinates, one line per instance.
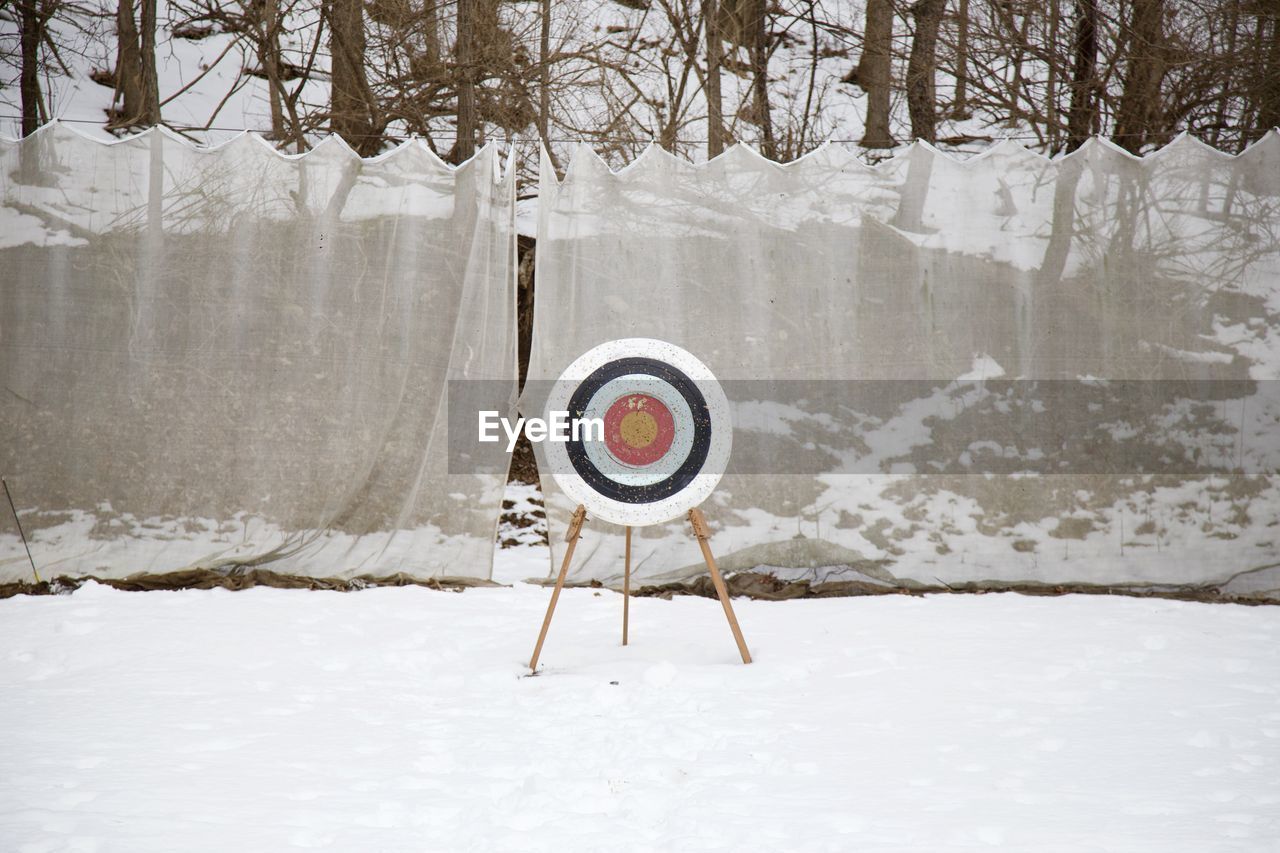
(638, 429)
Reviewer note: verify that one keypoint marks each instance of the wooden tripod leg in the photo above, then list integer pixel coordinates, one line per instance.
(626, 589)
(571, 536)
(702, 533)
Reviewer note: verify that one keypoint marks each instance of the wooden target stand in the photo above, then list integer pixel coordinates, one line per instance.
(701, 532)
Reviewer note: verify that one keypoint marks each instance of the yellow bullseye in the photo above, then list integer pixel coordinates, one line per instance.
(638, 429)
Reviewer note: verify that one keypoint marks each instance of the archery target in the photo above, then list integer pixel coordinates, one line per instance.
(667, 433)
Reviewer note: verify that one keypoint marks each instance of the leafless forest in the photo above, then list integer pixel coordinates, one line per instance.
(693, 75)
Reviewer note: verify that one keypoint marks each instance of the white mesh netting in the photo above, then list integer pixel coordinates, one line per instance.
(1008, 369)
(229, 356)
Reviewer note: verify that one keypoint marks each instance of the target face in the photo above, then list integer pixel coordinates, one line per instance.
(666, 437)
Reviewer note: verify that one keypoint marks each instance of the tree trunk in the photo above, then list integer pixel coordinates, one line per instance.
(873, 73)
(1226, 95)
(759, 25)
(1082, 119)
(1144, 71)
(269, 57)
(715, 108)
(1269, 102)
(128, 67)
(960, 109)
(350, 113)
(465, 60)
(147, 53)
(431, 31)
(1020, 45)
(544, 75)
(921, 67)
(1052, 130)
(544, 86)
(32, 34)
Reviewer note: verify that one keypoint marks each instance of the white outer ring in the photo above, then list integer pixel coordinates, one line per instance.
(672, 506)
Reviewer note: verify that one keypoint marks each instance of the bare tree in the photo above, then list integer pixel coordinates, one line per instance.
(465, 60)
(1269, 91)
(758, 35)
(147, 48)
(33, 21)
(1144, 71)
(677, 66)
(1053, 72)
(922, 101)
(351, 105)
(431, 27)
(268, 39)
(544, 74)
(1082, 120)
(715, 106)
(873, 73)
(455, 70)
(137, 87)
(128, 60)
(960, 105)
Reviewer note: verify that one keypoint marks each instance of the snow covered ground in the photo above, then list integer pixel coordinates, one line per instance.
(400, 719)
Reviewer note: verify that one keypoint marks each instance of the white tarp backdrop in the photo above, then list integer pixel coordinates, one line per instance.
(230, 356)
(1031, 370)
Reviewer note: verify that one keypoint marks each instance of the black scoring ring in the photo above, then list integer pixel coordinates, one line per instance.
(692, 464)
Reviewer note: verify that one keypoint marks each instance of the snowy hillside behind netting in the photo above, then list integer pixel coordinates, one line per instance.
(1007, 369)
(234, 358)
(1004, 369)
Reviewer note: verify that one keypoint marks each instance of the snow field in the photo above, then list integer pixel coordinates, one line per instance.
(400, 719)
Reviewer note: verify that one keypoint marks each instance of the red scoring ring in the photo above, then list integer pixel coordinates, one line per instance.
(638, 429)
